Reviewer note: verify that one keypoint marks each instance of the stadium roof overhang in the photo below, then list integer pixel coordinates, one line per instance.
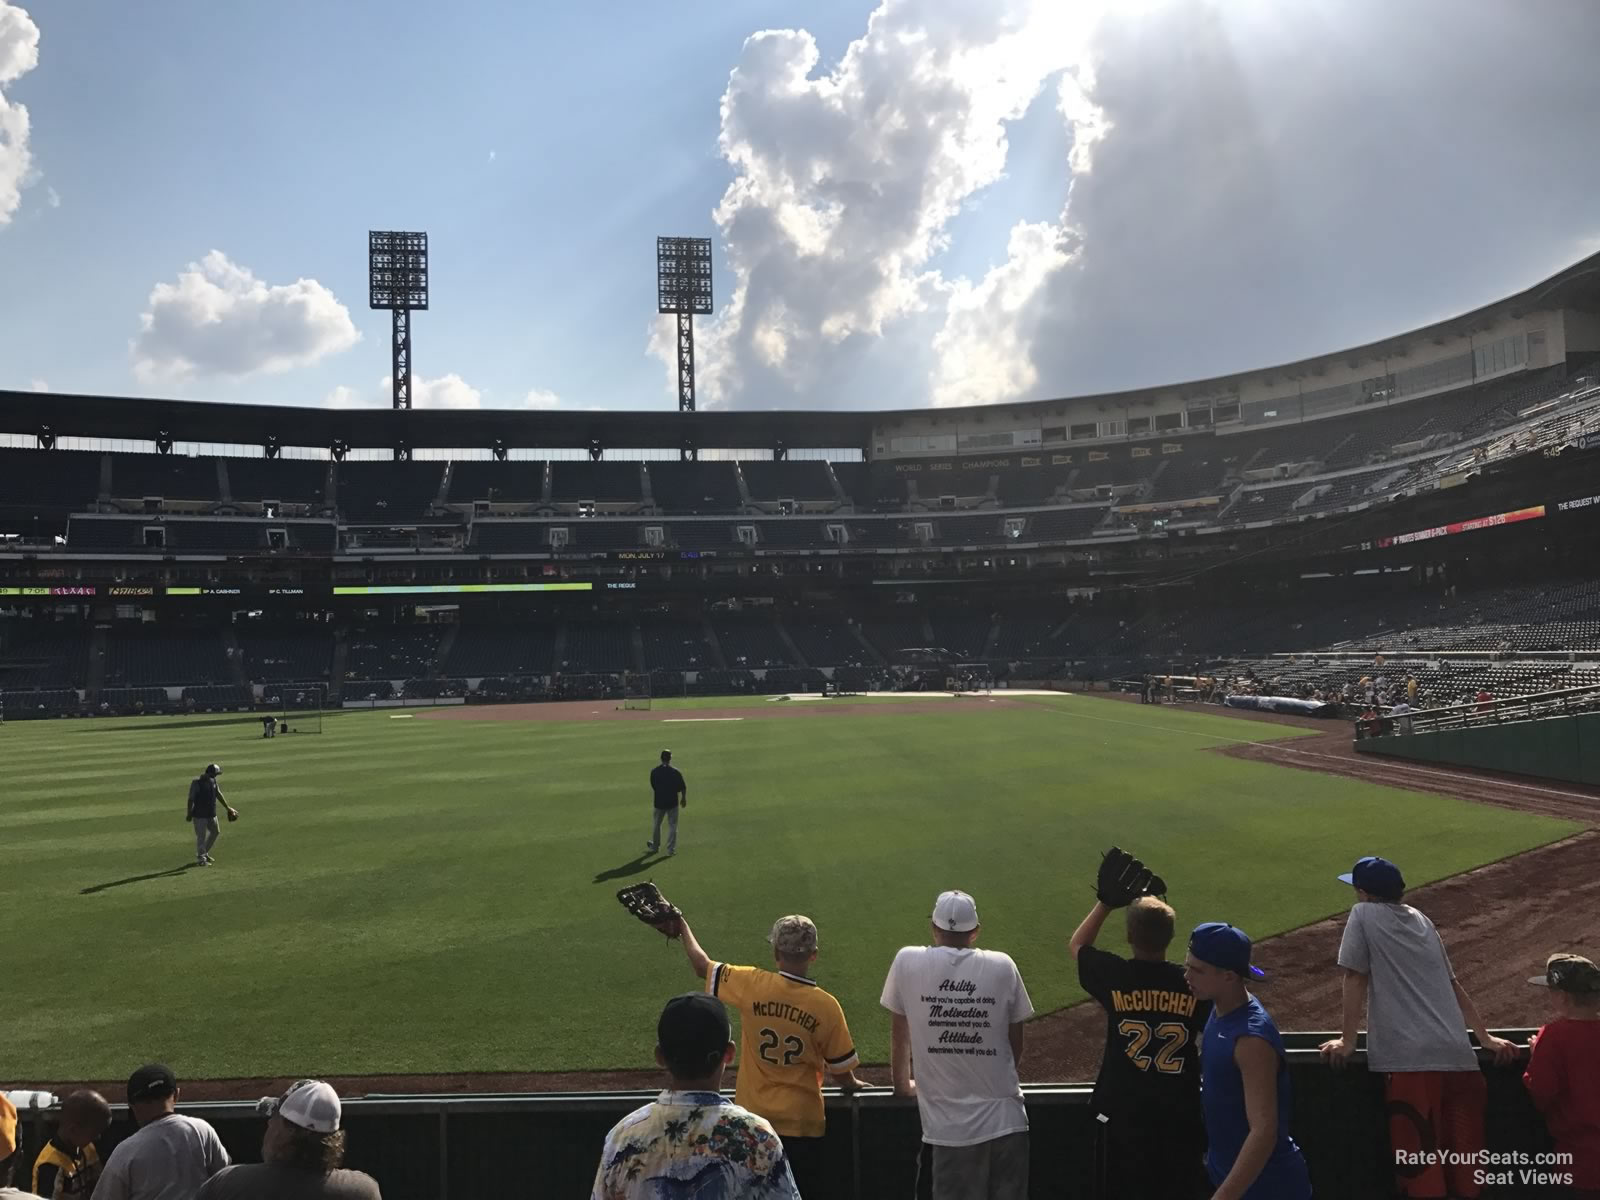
(60, 415)
(51, 415)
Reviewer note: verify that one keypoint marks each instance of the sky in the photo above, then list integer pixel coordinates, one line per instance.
(912, 202)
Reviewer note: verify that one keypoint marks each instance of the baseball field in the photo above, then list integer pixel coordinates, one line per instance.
(417, 894)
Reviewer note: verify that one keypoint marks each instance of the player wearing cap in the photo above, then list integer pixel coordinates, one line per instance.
(671, 793)
(69, 1165)
(1244, 1074)
(692, 1140)
(1563, 1075)
(204, 796)
(1149, 1082)
(1394, 965)
(10, 1145)
(302, 1153)
(171, 1155)
(791, 1033)
(957, 1015)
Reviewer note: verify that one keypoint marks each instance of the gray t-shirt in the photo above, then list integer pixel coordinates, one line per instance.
(1414, 1021)
(166, 1160)
(274, 1181)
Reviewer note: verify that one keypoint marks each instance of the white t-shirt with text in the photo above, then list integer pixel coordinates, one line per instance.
(960, 1005)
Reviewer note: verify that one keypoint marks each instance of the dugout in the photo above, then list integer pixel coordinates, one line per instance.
(435, 1147)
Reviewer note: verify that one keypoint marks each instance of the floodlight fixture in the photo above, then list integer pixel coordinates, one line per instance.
(683, 287)
(397, 280)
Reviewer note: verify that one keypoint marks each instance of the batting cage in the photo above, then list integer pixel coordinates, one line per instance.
(970, 679)
(300, 707)
(636, 691)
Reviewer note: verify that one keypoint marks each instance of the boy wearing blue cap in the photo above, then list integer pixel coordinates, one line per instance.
(1244, 1076)
(1395, 966)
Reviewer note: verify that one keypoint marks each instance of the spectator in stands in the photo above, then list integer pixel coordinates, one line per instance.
(1411, 690)
(1133, 1093)
(691, 1140)
(1244, 1076)
(974, 1125)
(1400, 714)
(1563, 1075)
(786, 1089)
(69, 1165)
(1395, 966)
(171, 1155)
(302, 1153)
(1485, 699)
(10, 1156)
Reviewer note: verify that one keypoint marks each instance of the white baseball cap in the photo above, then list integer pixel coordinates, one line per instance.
(956, 912)
(310, 1104)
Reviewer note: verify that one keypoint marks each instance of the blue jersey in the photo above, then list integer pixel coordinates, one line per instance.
(1227, 1124)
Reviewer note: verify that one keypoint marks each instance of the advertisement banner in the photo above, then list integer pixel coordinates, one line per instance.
(1438, 531)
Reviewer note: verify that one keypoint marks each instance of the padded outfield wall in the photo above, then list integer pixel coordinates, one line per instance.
(1565, 748)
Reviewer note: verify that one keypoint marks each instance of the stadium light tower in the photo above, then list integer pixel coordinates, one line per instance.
(397, 279)
(683, 286)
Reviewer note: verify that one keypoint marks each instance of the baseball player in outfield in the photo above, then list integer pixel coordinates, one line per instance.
(671, 793)
(791, 1031)
(204, 796)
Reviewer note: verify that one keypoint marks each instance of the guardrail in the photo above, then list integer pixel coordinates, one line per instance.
(1559, 703)
(436, 1147)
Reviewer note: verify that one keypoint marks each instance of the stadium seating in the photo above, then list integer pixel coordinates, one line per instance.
(170, 476)
(602, 482)
(388, 492)
(293, 656)
(796, 480)
(694, 487)
(34, 656)
(597, 647)
(496, 650)
(826, 640)
(287, 480)
(387, 654)
(218, 696)
(675, 644)
(199, 536)
(496, 482)
(138, 657)
(41, 487)
(750, 639)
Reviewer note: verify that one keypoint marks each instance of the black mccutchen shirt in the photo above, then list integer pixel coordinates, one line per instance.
(667, 782)
(1153, 1029)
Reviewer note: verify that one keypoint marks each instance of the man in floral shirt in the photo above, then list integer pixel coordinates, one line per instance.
(693, 1143)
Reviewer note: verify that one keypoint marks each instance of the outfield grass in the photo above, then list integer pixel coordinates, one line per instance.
(421, 896)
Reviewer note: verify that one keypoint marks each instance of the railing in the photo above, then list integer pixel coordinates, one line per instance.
(435, 1147)
(1560, 703)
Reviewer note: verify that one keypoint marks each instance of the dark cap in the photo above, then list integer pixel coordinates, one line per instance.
(693, 1032)
(151, 1082)
(1570, 973)
(1376, 875)
(666, 754)
(213, 769)
(1223, 945)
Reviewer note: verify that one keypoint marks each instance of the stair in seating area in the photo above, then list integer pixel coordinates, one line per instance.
(636, 640)
(717, 656)
(446, 645)
(788, 644)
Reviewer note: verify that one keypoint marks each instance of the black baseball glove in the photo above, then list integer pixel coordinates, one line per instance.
(1123, 879)
(645, 901)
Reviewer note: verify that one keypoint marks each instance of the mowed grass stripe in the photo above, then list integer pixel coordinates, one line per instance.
(420, 896)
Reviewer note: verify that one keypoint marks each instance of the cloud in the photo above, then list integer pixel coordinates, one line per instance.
(445, 391)
(19, 54)
(846, 180)
(1244, 184)
(219, 320)
(52, 197)
(492, 155)
(38, 385)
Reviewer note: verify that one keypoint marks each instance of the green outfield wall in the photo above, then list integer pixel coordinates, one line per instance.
(1565, 748)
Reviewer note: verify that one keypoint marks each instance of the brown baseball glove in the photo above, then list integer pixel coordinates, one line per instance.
(645, 901)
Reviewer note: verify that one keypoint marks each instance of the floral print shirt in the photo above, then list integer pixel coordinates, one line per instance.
(693, 1146)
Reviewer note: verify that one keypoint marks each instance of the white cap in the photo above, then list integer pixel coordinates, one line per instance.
(310, 1104)
(956, 912)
